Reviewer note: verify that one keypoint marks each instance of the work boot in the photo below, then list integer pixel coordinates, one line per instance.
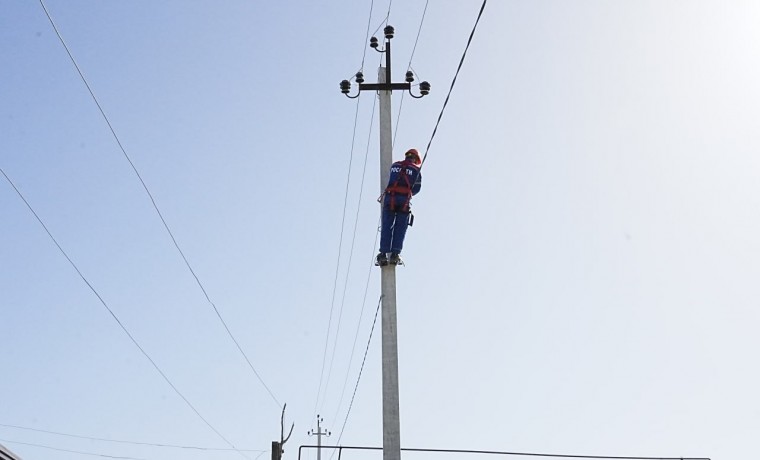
(396, 259)
(381, 260)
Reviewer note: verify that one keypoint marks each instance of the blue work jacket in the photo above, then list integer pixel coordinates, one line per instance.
(405, 180)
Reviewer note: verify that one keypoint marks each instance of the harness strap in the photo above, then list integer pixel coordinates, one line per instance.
(396, 188)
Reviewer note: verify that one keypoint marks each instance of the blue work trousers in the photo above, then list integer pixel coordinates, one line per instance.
(393, 230)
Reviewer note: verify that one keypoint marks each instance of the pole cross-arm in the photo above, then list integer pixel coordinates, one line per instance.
(345, 85)
(383, 86)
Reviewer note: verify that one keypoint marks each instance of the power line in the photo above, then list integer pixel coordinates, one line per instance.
(361, 369)
(419, 30)
(461, 61)
(113, 315)
(71, 451)
(361, 315)
(385, 19)
(387, 16)
(155, 205)
(535, 454)
(369, 20)
(351, 250)
(342, 225)
(390, 348)
(152, 444)
(409, 66)
(340, 249)
(359, 322)
(523, 454)
(383, 22)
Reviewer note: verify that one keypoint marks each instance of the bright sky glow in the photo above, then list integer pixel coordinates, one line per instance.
(582, 275)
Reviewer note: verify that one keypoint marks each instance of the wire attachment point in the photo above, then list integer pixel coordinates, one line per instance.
(424, 90)
(345, 87)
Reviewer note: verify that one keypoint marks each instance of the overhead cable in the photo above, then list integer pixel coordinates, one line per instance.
(383, 22)
(113, 315)
(461, 61)
(387, 16)
(369, 21)
(361, 369)
(359, 323)
(345, 285)
(155, 206)
(152, 444)
(414, 48)
(343, 219)
(351, 250)
(419, 30)
(71, 451)
(519, 454)
(337, 264)
(409, 66)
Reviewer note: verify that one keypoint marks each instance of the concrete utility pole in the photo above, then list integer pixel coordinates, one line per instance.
(384, 87)
(319, 433)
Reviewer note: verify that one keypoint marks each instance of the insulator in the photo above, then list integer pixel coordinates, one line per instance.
(409, 76)
(359, 77)
(424, 88)
(373, 42)
(388, 31)
(345, 86)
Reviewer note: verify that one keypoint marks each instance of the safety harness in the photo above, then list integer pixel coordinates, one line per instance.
(398, 187)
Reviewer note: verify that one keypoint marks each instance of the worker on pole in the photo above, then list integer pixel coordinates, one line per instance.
(405, 181)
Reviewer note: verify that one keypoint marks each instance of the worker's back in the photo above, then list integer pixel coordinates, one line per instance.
(405, 180)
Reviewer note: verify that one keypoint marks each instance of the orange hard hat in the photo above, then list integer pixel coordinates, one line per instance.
(414, 154)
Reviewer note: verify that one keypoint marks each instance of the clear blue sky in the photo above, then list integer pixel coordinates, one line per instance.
(582, 276)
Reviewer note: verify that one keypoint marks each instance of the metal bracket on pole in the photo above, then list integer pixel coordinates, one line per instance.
(386, 85)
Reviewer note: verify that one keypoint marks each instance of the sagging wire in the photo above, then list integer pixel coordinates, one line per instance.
(345, 203)
(461, 61)
(351, 251)
(155, 206)
(114, 316)
(361, 369)
(409, 67)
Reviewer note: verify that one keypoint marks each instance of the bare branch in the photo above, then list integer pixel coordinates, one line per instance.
(283, 440)
(291, 432)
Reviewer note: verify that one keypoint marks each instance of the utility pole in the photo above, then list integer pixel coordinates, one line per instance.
(384, 88)
(319, 433)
